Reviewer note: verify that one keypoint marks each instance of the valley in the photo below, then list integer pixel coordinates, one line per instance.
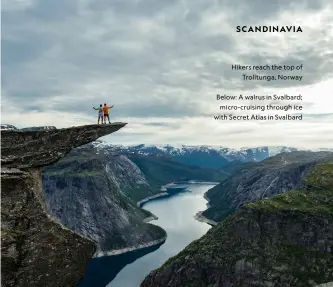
(115, 196)
(175, 214)
(103, 184)
(285, 240)
(107, 185)
(104, 187)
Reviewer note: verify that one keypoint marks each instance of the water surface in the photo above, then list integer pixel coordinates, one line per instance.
(176, 216)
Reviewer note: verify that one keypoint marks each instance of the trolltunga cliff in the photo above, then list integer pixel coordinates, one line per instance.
(36, 249)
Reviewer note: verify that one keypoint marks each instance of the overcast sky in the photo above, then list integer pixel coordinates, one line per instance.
(161, 64)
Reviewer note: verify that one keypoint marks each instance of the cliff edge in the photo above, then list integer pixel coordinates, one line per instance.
(36, 250)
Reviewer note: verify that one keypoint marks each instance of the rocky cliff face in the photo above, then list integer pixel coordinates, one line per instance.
(93, 192)
(256, 181)
(36, 250)
(103, 185)
(283, 241)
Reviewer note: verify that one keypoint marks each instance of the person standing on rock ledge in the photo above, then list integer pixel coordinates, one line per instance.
(100, 113)
(106, 112)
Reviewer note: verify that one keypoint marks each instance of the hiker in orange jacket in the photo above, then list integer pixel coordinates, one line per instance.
(106, 112)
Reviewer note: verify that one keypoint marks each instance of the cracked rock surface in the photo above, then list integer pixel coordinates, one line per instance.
(36, 250)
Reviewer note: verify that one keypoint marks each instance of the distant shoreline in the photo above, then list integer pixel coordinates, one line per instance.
(149, 198)
(198, 216)
(204, 219)
(129, 249)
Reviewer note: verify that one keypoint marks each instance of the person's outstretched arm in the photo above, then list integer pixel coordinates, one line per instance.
(95, 108)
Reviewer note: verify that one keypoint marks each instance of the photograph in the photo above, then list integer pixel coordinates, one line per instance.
(166, 143)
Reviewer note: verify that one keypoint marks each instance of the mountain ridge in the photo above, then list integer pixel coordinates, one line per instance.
(218, 155)
(255, 181)
(206, 156)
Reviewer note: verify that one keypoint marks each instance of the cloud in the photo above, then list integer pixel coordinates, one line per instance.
(161, 63)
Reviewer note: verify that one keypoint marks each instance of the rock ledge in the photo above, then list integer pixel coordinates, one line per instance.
(36, 250)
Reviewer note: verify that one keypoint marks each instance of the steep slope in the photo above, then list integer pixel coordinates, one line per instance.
(104, 186)
(160, 170)
(93, 186)
(36, 250)
(283, 241)
(255, 181)
(233, 166)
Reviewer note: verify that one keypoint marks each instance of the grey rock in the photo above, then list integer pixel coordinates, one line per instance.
(36, 250)
(256, 181)
(330, 284)
(92, 192)
(40, 148)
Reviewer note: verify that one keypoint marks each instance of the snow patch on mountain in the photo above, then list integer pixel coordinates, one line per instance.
(179, 150)
(276, 150)
(4, 127)
(39, 128)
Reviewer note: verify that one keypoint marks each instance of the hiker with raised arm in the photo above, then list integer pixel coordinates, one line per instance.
(100, 113)
(106, 112)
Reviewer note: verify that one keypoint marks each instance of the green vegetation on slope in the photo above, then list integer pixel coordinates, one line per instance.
(255, 181)
(161, 170)
(282, 241)
(321, 176)
(312, 200)
(316, 196)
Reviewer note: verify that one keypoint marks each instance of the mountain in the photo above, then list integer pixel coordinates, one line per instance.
(205, 156)
(254, 181)
(233, 166)
(95, 187)
(4, 127)
(286, 241)
(103, 186)
(162, 170)
(40, 128)
(36, 249)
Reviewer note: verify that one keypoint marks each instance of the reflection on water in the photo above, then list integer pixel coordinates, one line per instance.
(176, 216)
(102, 270)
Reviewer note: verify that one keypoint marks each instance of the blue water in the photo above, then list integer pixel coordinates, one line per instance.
(176, 217)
